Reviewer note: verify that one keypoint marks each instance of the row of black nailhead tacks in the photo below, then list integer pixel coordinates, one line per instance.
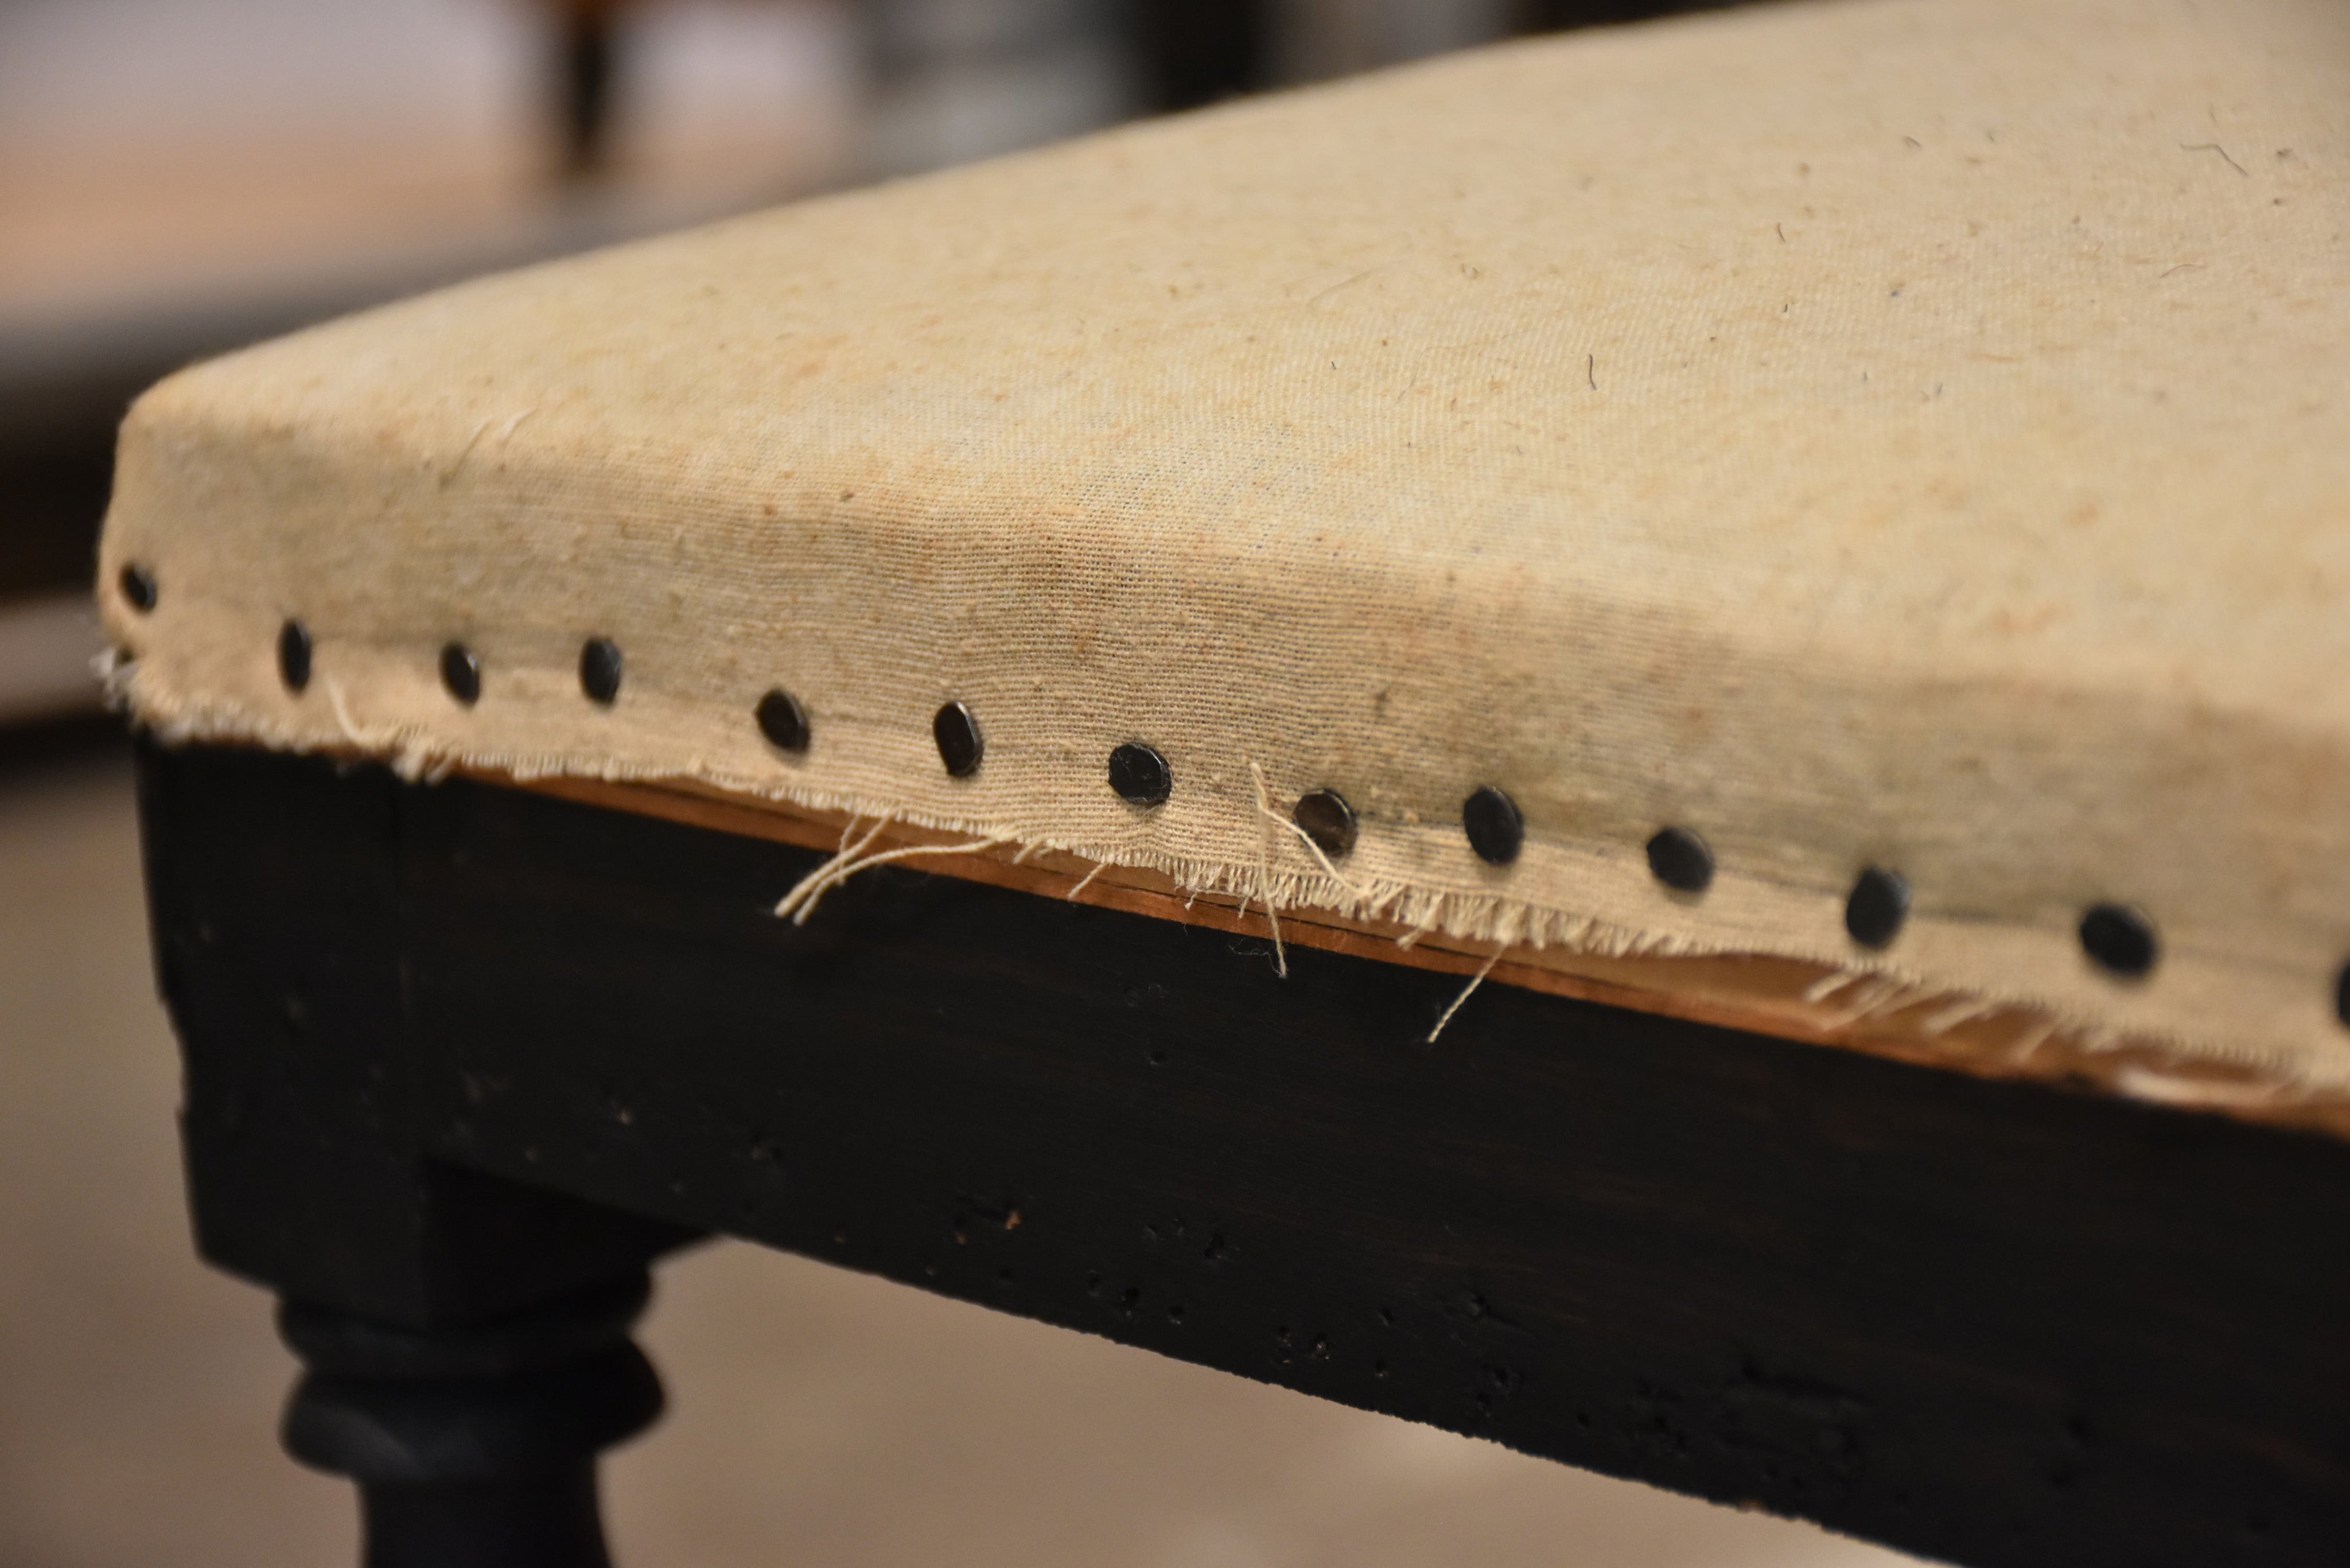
(2116, 937)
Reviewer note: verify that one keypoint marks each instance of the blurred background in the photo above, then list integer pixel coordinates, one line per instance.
(180, 176)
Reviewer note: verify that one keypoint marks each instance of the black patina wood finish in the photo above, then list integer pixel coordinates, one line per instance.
(1999, 1324)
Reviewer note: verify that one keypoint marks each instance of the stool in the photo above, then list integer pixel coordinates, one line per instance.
(1634, 743)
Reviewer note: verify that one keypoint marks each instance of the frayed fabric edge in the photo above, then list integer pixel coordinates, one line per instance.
(1480, 918)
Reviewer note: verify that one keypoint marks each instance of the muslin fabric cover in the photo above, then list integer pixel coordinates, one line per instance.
(1907, 433)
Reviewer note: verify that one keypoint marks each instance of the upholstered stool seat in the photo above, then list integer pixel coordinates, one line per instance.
(1893, 451)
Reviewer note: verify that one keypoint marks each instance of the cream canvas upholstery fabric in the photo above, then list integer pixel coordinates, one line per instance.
(1906, 433)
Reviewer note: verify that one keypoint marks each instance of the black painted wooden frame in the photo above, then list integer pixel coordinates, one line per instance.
(455, 1052)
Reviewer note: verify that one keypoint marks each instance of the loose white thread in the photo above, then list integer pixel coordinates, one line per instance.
(449, 475)
(1884, 995)
(342, 715)
(1264, 873)
(2028, 1045)
(814, 883)
(1427, 924)
(844, 870)
(2172, 1089)
(1828, 985)
(1951, 1017)
(1466, 991)
(1086, 881)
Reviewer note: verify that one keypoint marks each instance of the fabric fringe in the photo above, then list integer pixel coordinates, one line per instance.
(1479, 918)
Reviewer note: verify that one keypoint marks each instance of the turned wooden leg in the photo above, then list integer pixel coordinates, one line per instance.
(466, 1338)
(473, 1446)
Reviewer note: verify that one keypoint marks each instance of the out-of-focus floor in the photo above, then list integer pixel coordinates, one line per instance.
(817, 1417)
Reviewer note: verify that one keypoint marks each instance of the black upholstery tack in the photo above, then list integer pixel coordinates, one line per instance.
(293, 656)
(1496, 832)
(1680, 860)
(461, 672)
(1140, 775)
(1878, 904)
(961, 744)
(1324, 817)
(2120, 939)
(599, 670)
(783, 720)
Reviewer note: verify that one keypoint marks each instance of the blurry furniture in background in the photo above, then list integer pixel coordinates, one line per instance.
(946, 81)
(1203, 52)
(582, 79)
(951, 80)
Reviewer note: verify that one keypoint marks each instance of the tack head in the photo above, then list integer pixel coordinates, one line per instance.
(782, 722)
(1680, 860)
(1878, 904)
(293, 656)
(599, 670)
(137, 584)
(1325, 817)
(1496, 829)
(961, 745)
(1139, 776)
(461, 672)
(2119, 939)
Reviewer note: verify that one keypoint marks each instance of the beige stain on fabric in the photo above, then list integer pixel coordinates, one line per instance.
(1904, 433)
